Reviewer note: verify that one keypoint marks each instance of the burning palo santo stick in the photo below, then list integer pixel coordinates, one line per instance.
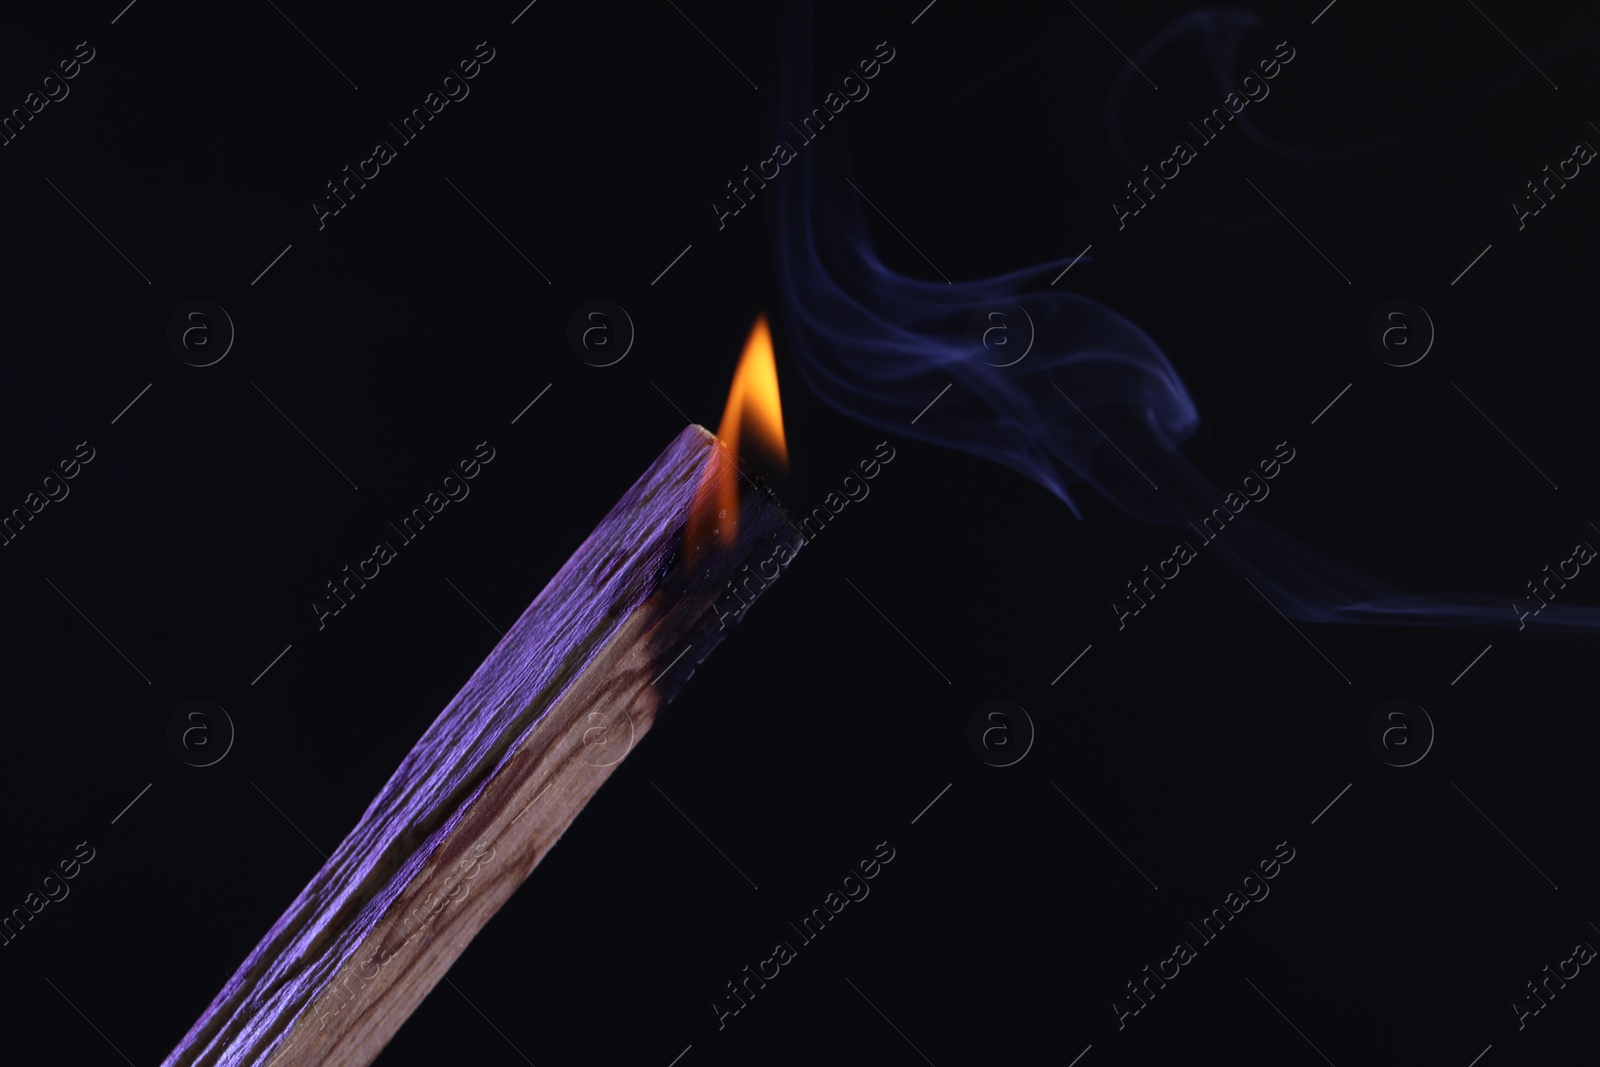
(510, 762)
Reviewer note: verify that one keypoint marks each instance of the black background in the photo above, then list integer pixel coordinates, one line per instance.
(407, 330)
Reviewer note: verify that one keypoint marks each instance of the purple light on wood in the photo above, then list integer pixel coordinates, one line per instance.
(599, 649)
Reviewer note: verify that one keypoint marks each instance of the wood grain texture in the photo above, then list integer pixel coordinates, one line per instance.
(496, 779)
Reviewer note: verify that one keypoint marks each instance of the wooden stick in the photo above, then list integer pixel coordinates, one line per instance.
(497, 778)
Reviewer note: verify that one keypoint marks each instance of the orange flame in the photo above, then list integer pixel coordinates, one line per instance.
(753, 415)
